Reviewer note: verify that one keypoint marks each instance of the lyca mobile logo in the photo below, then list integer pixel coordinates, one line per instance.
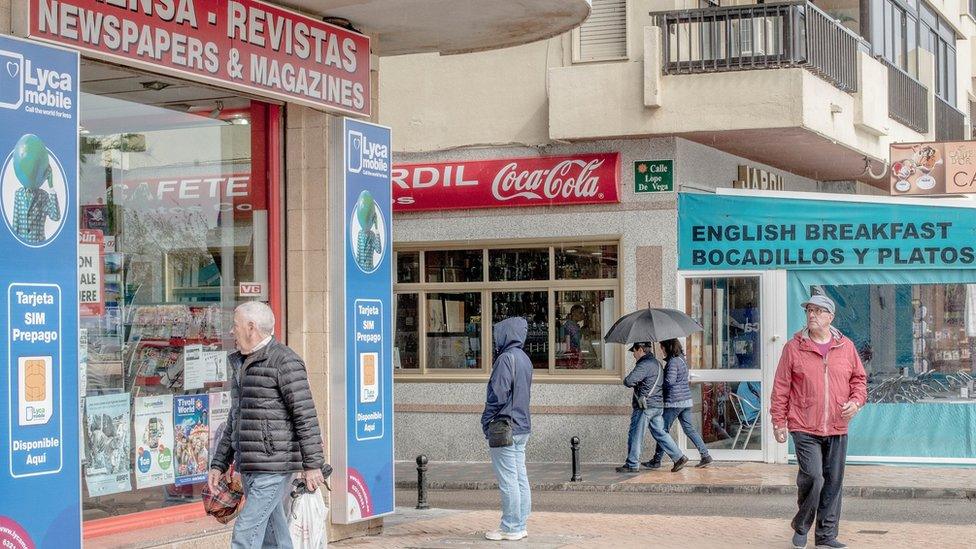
(23, 82)
(363, 154)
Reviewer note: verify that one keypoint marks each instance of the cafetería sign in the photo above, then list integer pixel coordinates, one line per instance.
(243, 44)
(533, 181)
(933, 168)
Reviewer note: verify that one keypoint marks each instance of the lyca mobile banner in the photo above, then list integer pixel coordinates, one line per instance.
(246, 44)
(736, 232)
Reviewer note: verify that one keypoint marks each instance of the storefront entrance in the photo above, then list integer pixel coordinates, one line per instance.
(732, 362)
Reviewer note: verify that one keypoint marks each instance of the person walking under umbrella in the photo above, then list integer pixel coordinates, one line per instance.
(647, 379)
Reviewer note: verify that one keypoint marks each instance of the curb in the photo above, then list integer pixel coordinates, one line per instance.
(866, 492)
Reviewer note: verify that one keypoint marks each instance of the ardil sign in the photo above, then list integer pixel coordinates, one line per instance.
(531, 181)
(244, 44)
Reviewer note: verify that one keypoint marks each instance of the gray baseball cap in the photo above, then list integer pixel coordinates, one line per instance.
(821, 301)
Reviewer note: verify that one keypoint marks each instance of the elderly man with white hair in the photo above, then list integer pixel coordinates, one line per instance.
(272, 431)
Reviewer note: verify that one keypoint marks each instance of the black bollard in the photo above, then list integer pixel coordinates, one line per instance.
(574, 445)
(422, 482)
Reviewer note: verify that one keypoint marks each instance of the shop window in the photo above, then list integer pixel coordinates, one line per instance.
(454, 266)
(566, 292)
(728, 310)
(534, 308)
(586, 261)
(454, 330)
(917, 343)
(407, 346)
(408, 267)
(174, 232)
(728, 415)
(583, 316)
(519, 264)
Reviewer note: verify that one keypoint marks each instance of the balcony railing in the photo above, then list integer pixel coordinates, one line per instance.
(907, 99)
(761, 36)
(950, 122)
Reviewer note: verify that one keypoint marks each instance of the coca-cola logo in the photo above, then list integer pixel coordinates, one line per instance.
(567, 179)
(507, 182)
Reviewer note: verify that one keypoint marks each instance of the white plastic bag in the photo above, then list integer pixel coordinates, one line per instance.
(307, 521)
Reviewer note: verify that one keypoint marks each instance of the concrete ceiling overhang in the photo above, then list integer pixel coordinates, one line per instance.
(450, 26)
(795, 150)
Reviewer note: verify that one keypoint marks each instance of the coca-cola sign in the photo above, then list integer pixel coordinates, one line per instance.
(535, 181)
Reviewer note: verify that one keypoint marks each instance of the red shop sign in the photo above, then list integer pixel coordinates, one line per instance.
(243, 44)
(535, 181)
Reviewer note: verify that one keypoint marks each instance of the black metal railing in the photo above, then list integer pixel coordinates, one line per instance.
(907, 99)
(950, 122)
(760, 36)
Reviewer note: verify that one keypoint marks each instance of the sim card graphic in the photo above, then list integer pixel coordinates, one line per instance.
(369, 374)
(34, 376)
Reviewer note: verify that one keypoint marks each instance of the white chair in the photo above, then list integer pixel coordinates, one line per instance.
(738, 406)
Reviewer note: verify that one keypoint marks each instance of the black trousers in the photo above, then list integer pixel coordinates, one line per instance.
(820, 483)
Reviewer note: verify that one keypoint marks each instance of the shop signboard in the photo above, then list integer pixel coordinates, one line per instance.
(933, 168)
(531, 181)
(40, 478)
(653, 176)
(730, 232)
(91, 273)
(362, 374)
(248, 45)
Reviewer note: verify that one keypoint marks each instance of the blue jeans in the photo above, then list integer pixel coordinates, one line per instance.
(661, 435)
(513, 481)
(263, 522)
(683, 415)
(635, 436)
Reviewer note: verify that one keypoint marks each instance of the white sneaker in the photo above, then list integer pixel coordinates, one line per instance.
(505, 536)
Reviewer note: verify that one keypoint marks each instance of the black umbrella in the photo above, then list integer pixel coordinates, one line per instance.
(652, 325)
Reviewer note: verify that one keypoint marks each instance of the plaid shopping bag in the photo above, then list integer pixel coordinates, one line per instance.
(226, 502)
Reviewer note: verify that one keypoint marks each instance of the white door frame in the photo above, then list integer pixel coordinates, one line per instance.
(772, 304)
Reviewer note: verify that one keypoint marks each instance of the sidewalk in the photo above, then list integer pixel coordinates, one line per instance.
(868, 481)
(443, 529)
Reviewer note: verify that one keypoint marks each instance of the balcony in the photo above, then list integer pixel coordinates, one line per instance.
(907, 99)
(763, 36)
(950, 122)
(781, 84)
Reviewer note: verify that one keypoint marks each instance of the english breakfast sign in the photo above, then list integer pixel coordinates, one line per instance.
(534, 181)
(244, 44)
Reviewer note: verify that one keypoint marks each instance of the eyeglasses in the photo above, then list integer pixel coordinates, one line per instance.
(816, 311)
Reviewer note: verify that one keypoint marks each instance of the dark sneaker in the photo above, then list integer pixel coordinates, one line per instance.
(799, 541)
(831, 544)
(627, 469)
(651, 464)
(705, 460)
(680, 464)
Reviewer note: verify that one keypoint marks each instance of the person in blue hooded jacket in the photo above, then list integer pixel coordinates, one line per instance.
(509, 389)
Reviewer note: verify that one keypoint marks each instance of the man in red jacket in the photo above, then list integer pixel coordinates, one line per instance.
(820, 385)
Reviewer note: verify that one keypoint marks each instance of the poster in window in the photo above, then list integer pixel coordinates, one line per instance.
(107, 449)
(191, 425)
(154, 440)
(95, 217)
(219, 412)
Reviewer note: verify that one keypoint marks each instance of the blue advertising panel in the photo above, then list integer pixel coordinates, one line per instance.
(40, 484)
(368, 322)
(755, 233)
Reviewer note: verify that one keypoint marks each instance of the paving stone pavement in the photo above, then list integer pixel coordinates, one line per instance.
(443, 529)
(878, 481)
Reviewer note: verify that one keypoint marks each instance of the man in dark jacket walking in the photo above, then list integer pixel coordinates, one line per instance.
(508, 399)
(273, 429)
(647, 379)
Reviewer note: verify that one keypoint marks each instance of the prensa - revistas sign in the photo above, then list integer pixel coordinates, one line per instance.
(244, 44)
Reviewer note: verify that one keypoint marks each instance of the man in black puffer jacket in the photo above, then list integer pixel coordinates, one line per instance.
(272, 431)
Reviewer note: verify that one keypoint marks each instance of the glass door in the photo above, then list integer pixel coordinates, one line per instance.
(727, 363)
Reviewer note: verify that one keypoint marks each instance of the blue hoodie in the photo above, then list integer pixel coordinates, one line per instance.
(511, 378)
